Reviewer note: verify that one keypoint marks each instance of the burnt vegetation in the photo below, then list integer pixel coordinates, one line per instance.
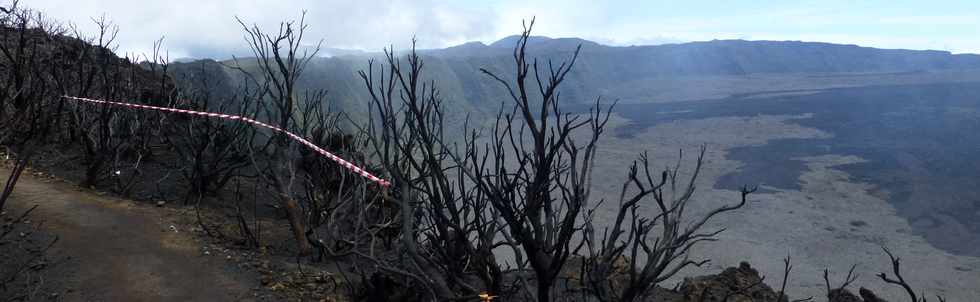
(519, 185)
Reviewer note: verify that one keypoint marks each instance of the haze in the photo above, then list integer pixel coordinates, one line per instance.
(207, 29)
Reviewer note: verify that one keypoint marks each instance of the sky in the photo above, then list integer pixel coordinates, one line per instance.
(208, 28)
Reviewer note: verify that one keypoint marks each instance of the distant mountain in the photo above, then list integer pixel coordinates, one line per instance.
(610, 71)
(726, 57)
(338, 52)
(185, 60)
(544, 42)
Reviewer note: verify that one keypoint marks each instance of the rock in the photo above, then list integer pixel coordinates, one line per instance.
(842, 295)
(277, 286)
(618, 275)
(741, 284)
(869, 296)
(161, 203)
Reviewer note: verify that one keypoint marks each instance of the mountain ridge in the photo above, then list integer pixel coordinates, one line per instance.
(506, 44)
(614, 72)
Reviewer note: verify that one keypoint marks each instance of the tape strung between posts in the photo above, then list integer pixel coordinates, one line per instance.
(331, 156)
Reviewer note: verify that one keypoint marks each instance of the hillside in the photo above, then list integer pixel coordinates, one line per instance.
(854, 149)
(658, 73)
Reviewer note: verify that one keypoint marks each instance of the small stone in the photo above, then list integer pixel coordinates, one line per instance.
(276, 287)
(161, 203)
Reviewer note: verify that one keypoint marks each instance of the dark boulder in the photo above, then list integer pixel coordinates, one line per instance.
(741, 284)
(869, 296)
(842, 295)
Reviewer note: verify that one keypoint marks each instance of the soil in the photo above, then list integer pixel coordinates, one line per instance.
(111, 249)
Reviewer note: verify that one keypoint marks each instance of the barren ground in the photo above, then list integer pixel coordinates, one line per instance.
(118, 250)
(832, 222)
(112, 249)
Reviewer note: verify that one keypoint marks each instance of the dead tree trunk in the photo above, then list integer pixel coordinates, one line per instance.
(447, 228)
(280, 64)
(533, 173)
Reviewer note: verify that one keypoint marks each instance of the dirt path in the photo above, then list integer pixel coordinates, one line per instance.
(117, 250)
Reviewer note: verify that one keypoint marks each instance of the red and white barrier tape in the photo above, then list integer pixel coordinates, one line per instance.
(331, 156)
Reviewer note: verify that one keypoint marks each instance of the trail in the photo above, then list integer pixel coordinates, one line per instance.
(112, 249)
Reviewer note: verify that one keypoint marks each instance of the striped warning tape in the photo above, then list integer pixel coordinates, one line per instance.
(331, 156)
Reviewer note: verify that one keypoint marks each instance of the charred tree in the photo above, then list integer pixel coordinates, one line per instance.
(280, 60)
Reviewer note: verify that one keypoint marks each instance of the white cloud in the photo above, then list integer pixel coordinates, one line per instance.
(208, 28)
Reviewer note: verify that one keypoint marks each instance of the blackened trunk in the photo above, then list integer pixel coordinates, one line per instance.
(295, 216)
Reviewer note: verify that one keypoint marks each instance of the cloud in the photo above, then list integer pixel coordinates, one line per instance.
(209, 29)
